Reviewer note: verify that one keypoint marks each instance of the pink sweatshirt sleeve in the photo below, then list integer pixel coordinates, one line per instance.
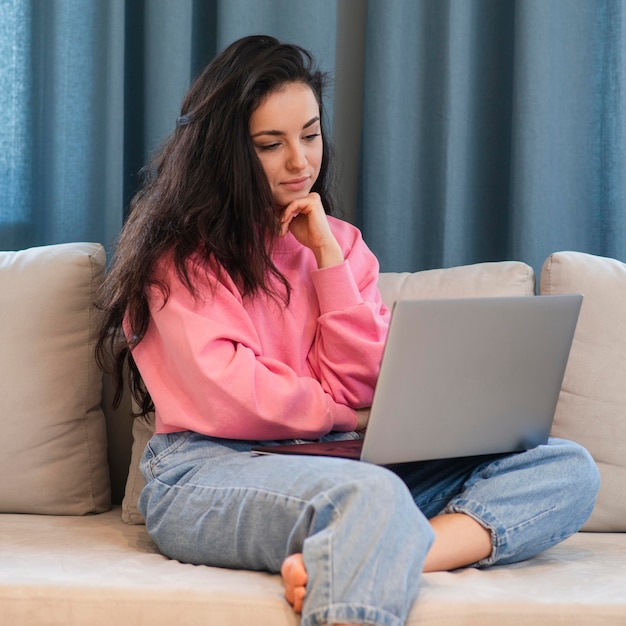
(352, 327)
(203, 363)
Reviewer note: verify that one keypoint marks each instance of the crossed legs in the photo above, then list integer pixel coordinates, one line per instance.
(535, 499)
(211, 502)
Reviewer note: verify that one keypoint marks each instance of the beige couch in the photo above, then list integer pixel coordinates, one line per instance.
(67, 559)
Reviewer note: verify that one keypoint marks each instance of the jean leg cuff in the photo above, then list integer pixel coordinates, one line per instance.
(498, 534)
(351, 614)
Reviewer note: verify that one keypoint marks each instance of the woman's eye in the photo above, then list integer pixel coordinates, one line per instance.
(312, 136)
(269, 146)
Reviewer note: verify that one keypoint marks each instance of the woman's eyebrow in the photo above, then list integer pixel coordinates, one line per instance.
(280, 132)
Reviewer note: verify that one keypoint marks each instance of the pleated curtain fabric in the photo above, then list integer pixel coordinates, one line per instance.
(465, 130)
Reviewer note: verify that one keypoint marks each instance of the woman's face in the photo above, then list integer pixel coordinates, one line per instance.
(286, 132)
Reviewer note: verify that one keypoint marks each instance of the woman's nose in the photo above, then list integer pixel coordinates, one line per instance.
(297, 158)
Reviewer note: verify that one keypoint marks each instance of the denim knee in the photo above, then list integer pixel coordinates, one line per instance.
(582, 481)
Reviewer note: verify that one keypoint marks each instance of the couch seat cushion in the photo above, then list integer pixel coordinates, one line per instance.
(97, 570)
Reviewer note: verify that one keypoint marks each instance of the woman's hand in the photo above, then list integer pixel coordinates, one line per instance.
(306, 219)
(362, 417)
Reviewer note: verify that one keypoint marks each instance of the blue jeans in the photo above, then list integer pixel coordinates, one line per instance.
(363, 539)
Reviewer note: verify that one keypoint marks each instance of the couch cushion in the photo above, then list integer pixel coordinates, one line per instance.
(592, 404)
(53, 453)
(505, 278)
(143, 427)
(97, 571)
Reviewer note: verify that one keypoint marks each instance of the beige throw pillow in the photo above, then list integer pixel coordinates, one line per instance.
(143, 428)
(53, 451)
(592, 404)
(506, 278)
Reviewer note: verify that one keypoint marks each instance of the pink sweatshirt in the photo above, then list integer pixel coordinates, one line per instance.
(253, 369)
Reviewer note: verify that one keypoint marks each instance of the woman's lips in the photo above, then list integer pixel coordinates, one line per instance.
(296, 184)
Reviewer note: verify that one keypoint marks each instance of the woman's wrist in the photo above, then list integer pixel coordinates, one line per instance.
(327, 256)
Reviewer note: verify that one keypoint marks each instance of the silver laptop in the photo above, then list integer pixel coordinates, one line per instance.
(463, 377)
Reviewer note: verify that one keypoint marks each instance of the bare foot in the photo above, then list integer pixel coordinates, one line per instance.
(295, 579)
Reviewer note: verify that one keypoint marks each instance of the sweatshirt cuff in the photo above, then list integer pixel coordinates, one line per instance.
(336, 288)
(345, 418)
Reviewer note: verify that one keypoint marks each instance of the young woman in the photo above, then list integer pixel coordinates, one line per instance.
(248, 314)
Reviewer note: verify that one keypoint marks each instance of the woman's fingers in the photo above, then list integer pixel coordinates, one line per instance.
(307, 221)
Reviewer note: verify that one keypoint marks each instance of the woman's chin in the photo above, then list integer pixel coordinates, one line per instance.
(285, 199)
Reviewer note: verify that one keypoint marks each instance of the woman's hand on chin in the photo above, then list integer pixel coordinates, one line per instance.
(307, 221)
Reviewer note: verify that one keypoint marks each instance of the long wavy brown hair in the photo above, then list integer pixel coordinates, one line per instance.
(205, 193)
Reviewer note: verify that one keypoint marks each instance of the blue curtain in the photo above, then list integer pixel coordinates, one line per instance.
(466, 130)
(493, 130)
(61, 121)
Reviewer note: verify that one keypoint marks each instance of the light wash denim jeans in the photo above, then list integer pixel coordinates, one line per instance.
(363, 539)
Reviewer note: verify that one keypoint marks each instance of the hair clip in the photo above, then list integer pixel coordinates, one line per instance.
(183, 120)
